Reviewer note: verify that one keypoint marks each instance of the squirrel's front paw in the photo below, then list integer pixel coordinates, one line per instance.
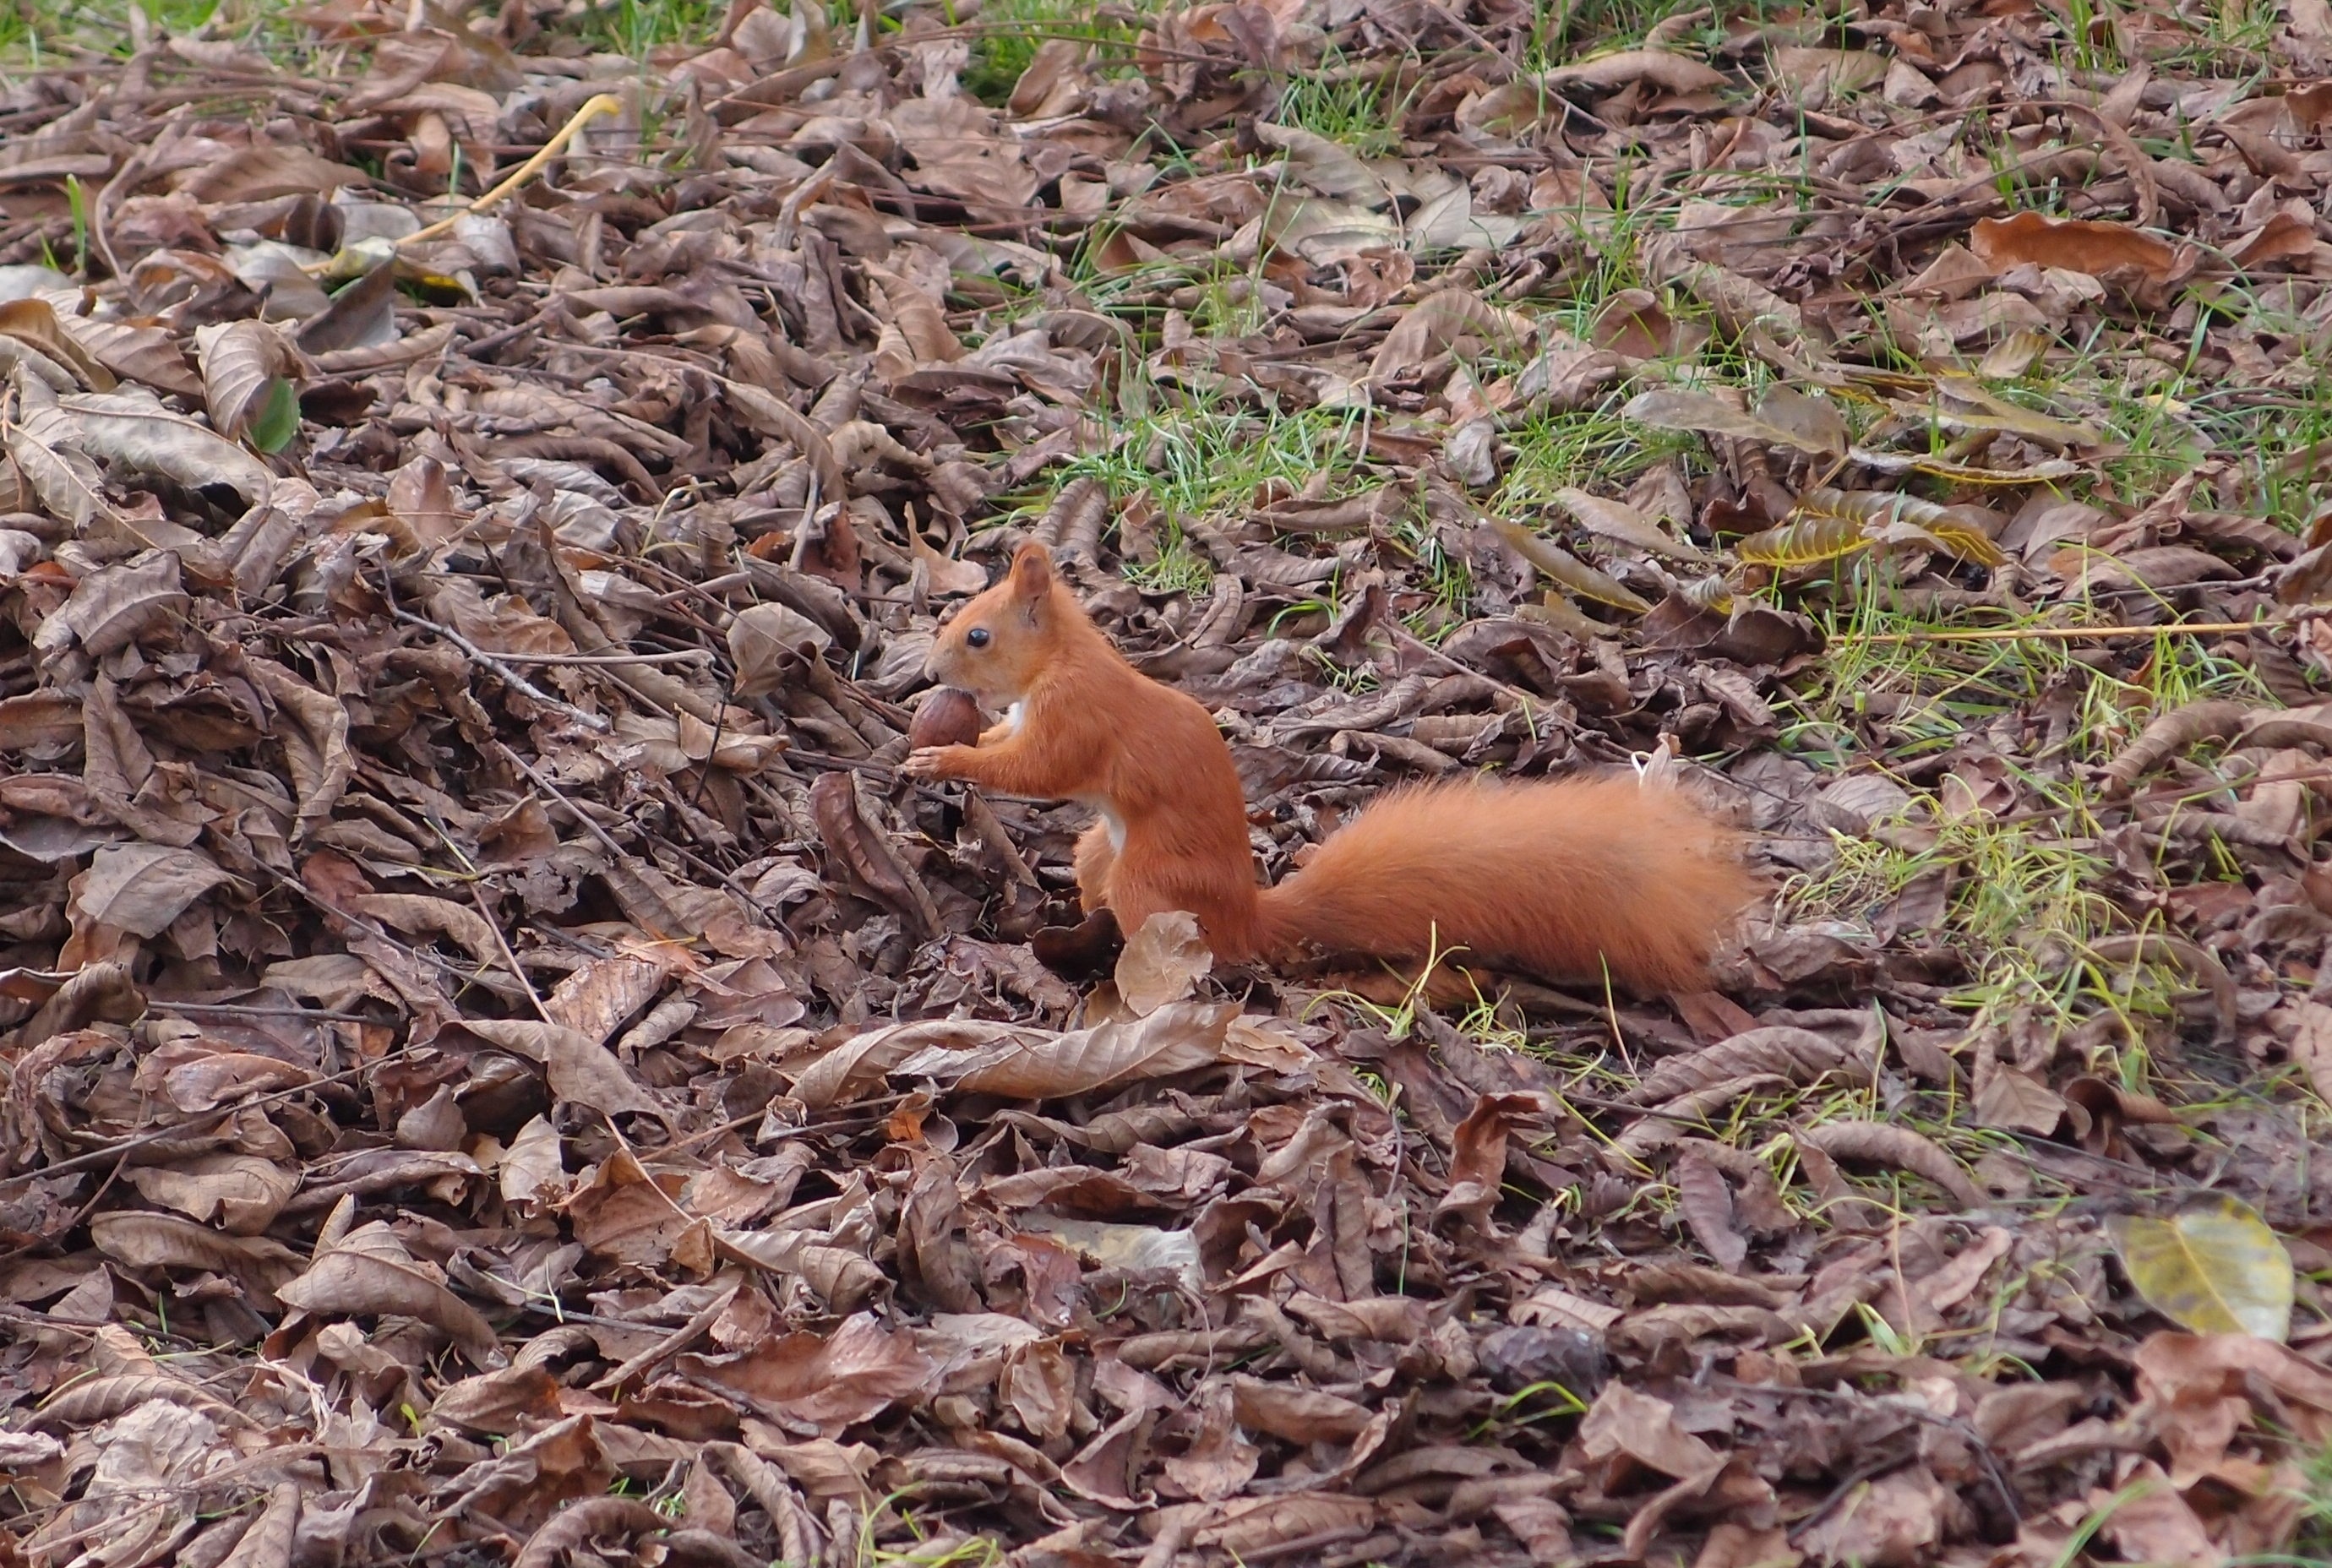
(930, 764)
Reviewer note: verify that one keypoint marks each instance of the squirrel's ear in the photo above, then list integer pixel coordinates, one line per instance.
(1032, 571)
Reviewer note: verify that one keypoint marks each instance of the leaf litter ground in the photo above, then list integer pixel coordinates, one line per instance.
(501, 1069)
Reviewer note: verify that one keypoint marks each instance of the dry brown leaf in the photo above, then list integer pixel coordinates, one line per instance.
(267, 1541)
(2168, 734)
(349, 1283)
(1798, 1055)
(767, 640)
(842, 1279)
(1706, 1204)
(35, 324)
(1884, 1144)
(141, 888)
(1028, 1065)
(581, 1070)
(147, 1240)
(1163, 962)
(112, 608)
(2311, 1045)
(241, 1192)
(242, 362)
(828, 1383)
(138, 435)
(1656, 67)
(2073, 246)
(850, 826)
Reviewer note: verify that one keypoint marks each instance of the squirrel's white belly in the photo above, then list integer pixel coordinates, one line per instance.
(1110, 820)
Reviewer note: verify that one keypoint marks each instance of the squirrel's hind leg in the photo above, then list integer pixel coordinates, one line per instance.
(1096, 858)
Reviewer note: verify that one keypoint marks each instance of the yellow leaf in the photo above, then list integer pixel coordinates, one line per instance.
(1886, 516)
(1714, 592)
(1568, 569)
(1564, 617)
(2040, 472)
(2213, 1267)
(1805, 538)
(1999, 413)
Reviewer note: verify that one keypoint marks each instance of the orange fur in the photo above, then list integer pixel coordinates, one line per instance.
(1096, 731)
(1559, 877)
(1562, 877)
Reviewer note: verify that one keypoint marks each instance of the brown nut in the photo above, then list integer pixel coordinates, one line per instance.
(947, 718)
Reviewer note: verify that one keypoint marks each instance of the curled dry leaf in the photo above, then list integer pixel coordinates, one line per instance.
(1706, 1204)
(1618, 520)
(581, 1070)
(1798, 426)
(1882, 1142)
(346, 1283)
(248, 383)
(65, 482)
(842, 1279)
(766, 640)
(140, 437)
(267, 1541)
(2168, 734)
(853, 836)
(113, 607)
(242, 1193)
(164, 1242)
(1175, 1037)
(1800, 1056)
(2312, 1046)
(1567, 570)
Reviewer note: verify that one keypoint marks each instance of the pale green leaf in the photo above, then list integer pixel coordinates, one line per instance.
(2213, 1267)
(1562, 567)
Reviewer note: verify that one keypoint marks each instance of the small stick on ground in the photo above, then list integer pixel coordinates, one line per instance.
(2066, 634)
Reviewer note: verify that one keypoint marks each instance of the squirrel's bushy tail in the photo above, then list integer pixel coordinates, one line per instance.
(1558, 877)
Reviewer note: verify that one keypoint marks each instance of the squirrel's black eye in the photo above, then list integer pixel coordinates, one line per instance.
(977, 636)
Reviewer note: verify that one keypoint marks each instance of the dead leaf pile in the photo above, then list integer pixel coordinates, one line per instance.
(500, 1070)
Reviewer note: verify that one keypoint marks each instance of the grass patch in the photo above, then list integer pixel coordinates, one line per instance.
(637, 28)
(1361, 112)
(2314, 1542)
(2024, 912)
(1009, 31)
(1213, 463)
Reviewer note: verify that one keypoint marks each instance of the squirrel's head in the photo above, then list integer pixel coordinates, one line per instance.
(997, 644)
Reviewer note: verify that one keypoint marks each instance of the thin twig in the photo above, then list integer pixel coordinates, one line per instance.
(592, 721)
(604, 103)
(241, 1010)
(67, 1229)
(2064, 634)
(590, 823)
(195, 1122)
(679, 1339)
(675, 656)
(478, 896)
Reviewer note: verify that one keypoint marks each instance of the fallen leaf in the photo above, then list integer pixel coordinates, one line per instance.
(354, 1280)
(1161, 962)
(2213, 1266)
(134, 433)
(2074, 245)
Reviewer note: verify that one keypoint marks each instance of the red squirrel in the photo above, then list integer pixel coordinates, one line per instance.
(1566, 878)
